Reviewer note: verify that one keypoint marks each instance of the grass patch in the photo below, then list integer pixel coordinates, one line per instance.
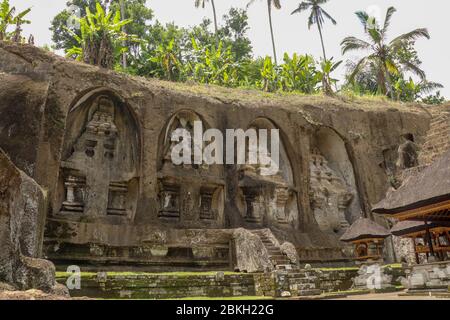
(338, 269)
(85, 275)
(225, 298)
(393, 266)
(347, 292)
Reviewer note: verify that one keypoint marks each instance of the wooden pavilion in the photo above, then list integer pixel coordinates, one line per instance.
(368, 238)
(424, 198)
(416, 230)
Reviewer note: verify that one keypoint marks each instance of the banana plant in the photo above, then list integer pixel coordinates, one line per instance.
(213, 65)
(299, 74)
(324, 75)
(101, 37)
(8, 18)
(168, 64)
(269, 76)
(409, 91)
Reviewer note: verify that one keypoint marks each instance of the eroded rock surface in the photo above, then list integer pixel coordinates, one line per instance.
(251, 255)
(22, 216)
(99, 142)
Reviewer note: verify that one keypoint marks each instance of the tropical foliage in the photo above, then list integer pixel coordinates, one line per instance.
(219, 52)
(316, 17)
(385, 64)
(101, 37)
(9, 18)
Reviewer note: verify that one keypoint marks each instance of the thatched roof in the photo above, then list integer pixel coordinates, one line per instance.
(427, 187)
(364, 228)
(403, 228)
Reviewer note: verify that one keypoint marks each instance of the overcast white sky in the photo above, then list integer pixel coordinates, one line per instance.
(291, 32)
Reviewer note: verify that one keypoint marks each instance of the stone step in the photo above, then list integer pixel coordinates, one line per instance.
(278, 256)
(279, 262)
(437, 137)
(439, 120)
(440, 146)
(258, 232)
(433, 134)
(285, 267)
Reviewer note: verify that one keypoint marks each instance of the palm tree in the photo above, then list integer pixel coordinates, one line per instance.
(202, 3)
(317, 17)
(277, 5)
(381, 57)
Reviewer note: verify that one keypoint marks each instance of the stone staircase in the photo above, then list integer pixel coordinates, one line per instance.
(291, 281)
(437, 140)
(279, 260)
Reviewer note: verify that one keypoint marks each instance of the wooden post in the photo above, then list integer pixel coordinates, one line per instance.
(415, 250)
(430, 240)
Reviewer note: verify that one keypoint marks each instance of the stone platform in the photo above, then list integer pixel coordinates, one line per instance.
(429, 277)
(130, 285)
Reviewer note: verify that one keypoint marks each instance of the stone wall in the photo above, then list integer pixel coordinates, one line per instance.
(178, 285)
(87, 131)
(336, 280)
(341, 279)
(174, 285)
(153, 286)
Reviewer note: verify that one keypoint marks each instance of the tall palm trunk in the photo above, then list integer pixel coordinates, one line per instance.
(389, 86)
(326, 77)
(216, 28)
(269, 7)
(321, 40)
(124, 43)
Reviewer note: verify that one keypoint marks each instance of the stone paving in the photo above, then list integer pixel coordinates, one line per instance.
(389, 296)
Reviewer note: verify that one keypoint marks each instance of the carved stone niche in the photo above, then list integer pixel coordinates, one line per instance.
(169, 200)
(99, 170)
(253, 204)
(330, 196)
(207, 210)
(184, 120)
(282, 196)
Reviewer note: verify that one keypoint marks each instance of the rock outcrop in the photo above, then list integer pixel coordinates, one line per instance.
(22, 218)
(289, 250)
(251, 255)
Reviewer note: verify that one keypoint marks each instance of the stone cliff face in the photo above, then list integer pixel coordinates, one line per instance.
(99, 142)
(22, 218)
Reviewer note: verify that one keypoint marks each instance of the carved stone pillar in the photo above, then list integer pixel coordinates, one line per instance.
(251, 195)
(74, 198)
(282, 197)
(118, 192)
(207, 211)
